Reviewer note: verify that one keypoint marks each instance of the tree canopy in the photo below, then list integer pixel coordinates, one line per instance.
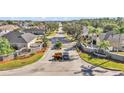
(52, 26)
(105, 24)
(5, 47)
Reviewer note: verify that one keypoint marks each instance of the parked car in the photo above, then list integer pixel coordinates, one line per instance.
(57, 56)
(65, 56)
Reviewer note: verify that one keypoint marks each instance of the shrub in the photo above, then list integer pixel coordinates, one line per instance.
(58, 44)
(32, 54)
(5, 47)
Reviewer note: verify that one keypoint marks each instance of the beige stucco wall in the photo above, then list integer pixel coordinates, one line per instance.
(32, 42)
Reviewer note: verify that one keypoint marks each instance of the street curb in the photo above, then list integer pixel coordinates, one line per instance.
(98, 66)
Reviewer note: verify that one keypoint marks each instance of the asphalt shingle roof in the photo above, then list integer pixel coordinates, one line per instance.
(34, 31)
(19, 37)
(28, 37)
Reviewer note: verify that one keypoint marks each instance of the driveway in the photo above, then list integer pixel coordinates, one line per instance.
(74, 67)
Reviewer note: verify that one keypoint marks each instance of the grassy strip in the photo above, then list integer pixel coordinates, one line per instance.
(21, 62)
(102, 62)
(52, 33)
(121, 53)
(69, 37)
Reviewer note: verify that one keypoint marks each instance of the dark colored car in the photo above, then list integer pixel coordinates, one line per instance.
(66, 56)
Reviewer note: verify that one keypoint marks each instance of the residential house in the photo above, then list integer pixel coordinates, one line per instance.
(8, 27)
(113, 40)
(3, 32)
(19, 39)
(4, 29)
(35, 31)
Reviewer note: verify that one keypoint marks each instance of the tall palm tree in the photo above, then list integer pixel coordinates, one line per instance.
(104, 45)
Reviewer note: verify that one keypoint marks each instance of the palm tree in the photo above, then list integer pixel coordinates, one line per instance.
(94, 32)
(104, 45)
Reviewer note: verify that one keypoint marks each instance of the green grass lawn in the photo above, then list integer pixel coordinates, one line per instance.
(52, 33)
(102, 62)
(121, 53)
(20, 62)
(69, 37)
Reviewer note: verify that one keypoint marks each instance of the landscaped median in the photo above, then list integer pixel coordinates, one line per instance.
(19, 62)
(108, 64)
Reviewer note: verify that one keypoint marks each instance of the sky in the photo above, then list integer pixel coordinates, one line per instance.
(41, 18)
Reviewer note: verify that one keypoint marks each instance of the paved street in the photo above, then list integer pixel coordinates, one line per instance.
(74, 67)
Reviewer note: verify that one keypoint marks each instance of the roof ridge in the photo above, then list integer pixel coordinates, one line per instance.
(27, 38)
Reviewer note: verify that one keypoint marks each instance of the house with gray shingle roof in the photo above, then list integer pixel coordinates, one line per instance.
(20, 39)
(35, 31)
(113, 40)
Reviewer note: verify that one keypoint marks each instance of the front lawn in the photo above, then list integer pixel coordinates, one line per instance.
(102, 62)
(19, 62)
(52, 33)
(69, 37)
